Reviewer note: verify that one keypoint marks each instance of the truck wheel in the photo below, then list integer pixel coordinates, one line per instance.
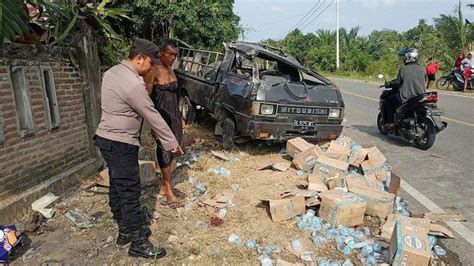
(187, 109)
(228, 134)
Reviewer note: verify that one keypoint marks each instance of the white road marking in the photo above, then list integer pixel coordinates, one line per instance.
(462, 230)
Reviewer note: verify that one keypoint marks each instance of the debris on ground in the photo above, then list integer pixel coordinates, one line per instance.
(79, 219)
(41, 204)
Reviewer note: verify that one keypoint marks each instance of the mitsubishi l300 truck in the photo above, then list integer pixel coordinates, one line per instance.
(258, 92)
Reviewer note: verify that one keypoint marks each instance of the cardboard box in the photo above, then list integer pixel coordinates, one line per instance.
(337, 183)
(409, 245)
(287, 208)
(328, 167)
(338, 152)
(306, 159)
(297, 145)
(342, 208)
(357, 156)
(316, 183)
(361, 181)
(389, 225)
(379, 203)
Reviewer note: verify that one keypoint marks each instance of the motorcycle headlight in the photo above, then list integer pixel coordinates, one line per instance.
(267, 109)
(334, 113)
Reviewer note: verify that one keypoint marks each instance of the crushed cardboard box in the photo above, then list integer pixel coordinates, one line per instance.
(361, 181)
(409, 245)
(342, 208)
(389, 225)
(338, 152)
(297, 145)
(220, 155)
(357, 156)
(287, 208)
(445, 217)
(379, 203)
(305, 160)
(316, 183)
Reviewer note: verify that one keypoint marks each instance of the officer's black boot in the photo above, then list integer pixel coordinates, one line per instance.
(142, 247)
(123, 237)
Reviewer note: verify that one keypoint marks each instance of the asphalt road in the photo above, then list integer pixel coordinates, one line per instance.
(439, 179)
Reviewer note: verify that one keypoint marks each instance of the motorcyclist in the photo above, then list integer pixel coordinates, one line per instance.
(410, 82)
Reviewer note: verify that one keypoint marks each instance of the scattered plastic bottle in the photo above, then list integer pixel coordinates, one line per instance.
(234, 239)
(296, 244)
(323, 262)
(251, 244)
(301, 223)
(327, 226)
(265, 260)
(347, 262)
(334, 263)
(367, 231)
(199, 189)
(377, 247)
(191, 179)
(213, 250)
(316, 224)
(307, 256)
(222, 171)
(339, 239)
(232, 159)
(193, 157)
(359, 235)
(299, 173)
(270, 248)
(222, 213)
(432, 240)
(439, 251)
(371, 260)
(343, 231)
(367, 250)
(202, 225)
(344, 249)
(235, 187)
(330, 234)
(318, 240)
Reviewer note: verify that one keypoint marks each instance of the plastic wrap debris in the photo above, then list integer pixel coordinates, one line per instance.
(40, 205)
(200, 189)
(79, 219)
(234, 239)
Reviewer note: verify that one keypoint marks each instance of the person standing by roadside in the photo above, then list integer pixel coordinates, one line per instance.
(124, 105)
(466, 69)
(431, 69)
(162, 86)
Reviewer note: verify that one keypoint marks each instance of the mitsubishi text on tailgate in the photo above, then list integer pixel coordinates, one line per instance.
(258, 92)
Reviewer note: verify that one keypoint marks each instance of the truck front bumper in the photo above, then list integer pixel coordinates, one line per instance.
(281, 131)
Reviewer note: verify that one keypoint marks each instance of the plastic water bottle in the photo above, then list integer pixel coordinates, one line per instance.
(318, 240)
(222, 213)
(307, 256)
(439, 251)
(251, 244)
(191, 179)
(367, 250)
(296, 244)
(265, 260)
(433, 240)
(269, 249)
(323, 262)
(347, 262)
(234, 239)
(235, 187)
(299, 173)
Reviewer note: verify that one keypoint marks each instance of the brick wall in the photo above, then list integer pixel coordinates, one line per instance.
(27, 161)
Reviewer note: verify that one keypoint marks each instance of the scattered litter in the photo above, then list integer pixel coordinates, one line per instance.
(213, 250)
(235, 187)
(299, 173)
(270, 249)
(307, 256)
(215, 221)
(265, 260)
(201, 225)
(439, 156)
(251, 244)
(433, 240)
(221, 171)
(234, 239)
(200, 189)
(445, 217)
(220, 155)
(439, 251)
(233, 159)
(191, 179)
(347, 262)
(79, 219)
(296, 244)
(222, 213)
(40, 205)
(30, 253)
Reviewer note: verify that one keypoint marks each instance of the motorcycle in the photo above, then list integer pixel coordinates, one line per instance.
(417, 120)
(456, 79)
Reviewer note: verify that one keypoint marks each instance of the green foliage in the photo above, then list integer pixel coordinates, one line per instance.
(12, 19)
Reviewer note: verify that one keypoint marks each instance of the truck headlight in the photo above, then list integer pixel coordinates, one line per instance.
(267, 109)
(334, 113)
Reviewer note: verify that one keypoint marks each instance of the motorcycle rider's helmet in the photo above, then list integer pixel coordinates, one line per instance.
(411, 55)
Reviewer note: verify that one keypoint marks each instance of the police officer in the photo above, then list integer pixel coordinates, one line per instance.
(125, 103)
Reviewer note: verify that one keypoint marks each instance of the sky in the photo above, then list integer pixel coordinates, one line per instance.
(273, 19)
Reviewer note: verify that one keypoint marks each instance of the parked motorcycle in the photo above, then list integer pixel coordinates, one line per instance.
(456, 79)
(417, 120)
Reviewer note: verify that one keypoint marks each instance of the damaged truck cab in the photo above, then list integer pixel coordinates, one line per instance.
(258, 92)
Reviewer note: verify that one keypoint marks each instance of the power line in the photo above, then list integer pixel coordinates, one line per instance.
(308, 14)
(278, 21)
(322, 11)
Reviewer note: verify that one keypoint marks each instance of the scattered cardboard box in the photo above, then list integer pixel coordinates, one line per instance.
(220, 155)
(375, 156)
(394, 186)
(282, 167)
(445, 217)
(379, 203)
(287, 208)
(409, 245)
(302, 192)
(316, 183)
(358, 156)
(361, 181)
(337, 183)
(338, 152)
(389, 225)
(297, 145)
(439, 230)
(311, 202)
(306, 159)
(328, 167)
(342, 208)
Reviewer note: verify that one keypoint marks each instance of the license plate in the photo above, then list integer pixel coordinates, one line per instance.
(436, 112)
(303, 124)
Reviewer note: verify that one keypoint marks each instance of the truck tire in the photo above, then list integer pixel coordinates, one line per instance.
(188, 111)
(228, 134)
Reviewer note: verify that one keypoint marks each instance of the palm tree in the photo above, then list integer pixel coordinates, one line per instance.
(13, 19)
(326, 37)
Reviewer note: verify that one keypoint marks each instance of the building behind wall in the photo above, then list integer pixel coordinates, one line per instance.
(44, 137)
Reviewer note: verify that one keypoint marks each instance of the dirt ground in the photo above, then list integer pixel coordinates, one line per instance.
(59, 242)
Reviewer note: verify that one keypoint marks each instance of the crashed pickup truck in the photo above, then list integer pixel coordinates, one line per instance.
(258, 92)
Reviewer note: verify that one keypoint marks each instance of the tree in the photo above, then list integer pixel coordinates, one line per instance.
(13, 19)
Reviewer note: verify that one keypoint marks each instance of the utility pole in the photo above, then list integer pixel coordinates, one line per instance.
(337, 34)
